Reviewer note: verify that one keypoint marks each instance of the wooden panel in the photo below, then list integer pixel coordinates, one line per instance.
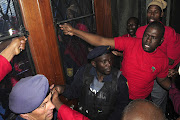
(42, 40)
(103, 17)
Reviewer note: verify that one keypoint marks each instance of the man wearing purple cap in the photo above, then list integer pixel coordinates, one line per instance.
(102, 90)
(31, 99)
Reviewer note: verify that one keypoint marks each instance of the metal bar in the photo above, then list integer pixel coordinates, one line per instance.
(8, 37)
(22, 32)
(64, 21)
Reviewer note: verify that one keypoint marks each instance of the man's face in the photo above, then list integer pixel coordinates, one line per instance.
(104, 64)
(44, 111)
(151, 39)
(132, 27)
(154, 13)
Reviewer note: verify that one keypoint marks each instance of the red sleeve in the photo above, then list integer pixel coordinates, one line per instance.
(126, 35)
(5, 67)
(173, 43)
(140, 31)
(66, 113)
(164, 71)
(123, 43)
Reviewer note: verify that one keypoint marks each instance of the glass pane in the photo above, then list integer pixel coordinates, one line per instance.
(80, 14)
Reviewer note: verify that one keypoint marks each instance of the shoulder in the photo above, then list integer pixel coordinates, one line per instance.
(169, 30)
(125, 35)
(142, 28)
(163, 57)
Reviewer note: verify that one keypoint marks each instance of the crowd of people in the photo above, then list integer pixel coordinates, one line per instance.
(149, 72)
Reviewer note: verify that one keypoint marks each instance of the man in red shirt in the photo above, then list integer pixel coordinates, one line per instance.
(143, 61)
(170, 46)
(132, 26)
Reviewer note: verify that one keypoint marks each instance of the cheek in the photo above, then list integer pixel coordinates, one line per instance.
(39, 114)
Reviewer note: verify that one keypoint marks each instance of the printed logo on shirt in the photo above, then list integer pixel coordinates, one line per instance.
(153, 68)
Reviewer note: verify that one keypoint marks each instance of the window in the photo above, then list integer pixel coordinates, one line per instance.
(80, 14)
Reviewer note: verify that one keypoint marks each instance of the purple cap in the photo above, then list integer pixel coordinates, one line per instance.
(28, 94)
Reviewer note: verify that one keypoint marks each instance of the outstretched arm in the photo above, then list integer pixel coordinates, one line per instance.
(92, 39)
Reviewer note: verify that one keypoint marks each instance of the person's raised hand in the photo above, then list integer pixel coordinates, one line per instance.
(18, 44)
(67, 29)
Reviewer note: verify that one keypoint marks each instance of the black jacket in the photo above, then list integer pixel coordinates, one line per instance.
(115, 90)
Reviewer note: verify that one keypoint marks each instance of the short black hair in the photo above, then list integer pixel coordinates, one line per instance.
(157, 25)
(135, 19)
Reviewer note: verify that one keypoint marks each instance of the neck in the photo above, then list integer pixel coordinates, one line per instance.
(100, 77)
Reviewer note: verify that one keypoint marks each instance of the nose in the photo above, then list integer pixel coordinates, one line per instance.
(130, 26)
(51, 106)
(148, 39)
(152, 13)
(109, 63)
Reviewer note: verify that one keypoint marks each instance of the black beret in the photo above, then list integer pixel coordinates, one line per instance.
(98, 51)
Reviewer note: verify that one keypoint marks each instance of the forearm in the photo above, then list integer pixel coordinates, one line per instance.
(94, 39)
(57, 103)
(165, 83)
(8, 53)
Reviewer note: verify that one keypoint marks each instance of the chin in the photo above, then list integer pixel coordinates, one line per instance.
(146, 50)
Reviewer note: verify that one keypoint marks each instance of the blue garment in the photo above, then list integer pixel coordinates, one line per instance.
(96, 85)
(19, 118)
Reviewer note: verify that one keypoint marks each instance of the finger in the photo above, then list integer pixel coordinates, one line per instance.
(52, 86)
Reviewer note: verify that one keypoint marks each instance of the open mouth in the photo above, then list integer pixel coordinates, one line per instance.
(151, 20)
(147, 46)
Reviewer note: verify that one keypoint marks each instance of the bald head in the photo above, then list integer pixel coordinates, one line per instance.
(141, 109)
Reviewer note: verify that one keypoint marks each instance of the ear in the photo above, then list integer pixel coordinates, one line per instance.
(25, 116)
(93, 63)
(162, 13)
(161, 41)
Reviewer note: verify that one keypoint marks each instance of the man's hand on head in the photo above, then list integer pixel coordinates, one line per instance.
(55, 97)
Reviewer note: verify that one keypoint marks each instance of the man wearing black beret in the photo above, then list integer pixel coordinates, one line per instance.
(101, 89)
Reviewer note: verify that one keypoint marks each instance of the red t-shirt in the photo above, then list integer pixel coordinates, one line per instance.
(170, 45)
(126, 35)
(5, 67)
(139, 67)
(66, 113)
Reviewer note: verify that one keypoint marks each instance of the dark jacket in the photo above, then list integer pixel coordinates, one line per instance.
(115, 91)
